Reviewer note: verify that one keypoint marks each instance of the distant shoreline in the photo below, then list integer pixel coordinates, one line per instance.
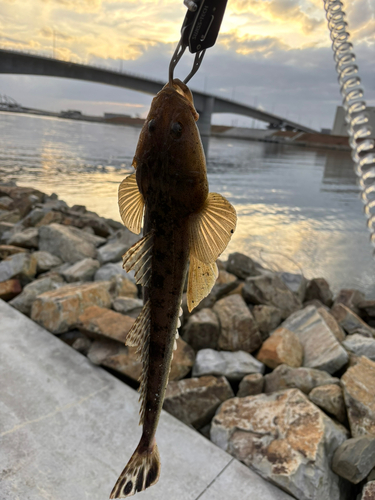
(221, 131)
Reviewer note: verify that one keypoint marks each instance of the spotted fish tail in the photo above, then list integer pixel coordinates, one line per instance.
(142, 471)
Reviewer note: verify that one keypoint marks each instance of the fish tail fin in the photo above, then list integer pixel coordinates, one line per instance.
(141, 472)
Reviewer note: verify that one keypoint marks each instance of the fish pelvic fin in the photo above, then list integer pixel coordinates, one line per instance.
(131, 204)
(210, 230)
(139, 337)
(138, 258)
(141, 472)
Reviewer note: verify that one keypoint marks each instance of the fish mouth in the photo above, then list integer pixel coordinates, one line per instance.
(182, 89)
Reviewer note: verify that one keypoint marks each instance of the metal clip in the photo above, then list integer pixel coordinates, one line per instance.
(199, 32)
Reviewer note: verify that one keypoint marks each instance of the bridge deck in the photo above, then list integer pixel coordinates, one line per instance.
(67, 428)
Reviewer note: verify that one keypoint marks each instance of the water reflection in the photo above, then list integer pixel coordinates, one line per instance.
(297, 207)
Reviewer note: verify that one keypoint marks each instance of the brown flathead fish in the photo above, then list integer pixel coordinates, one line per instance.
(184, 225)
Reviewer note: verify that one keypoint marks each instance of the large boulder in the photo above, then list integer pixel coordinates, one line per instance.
(195, 400)
(239, 331)
(286, 439)
(232, 365)
(202, 330)
(270, 289)
(305, 379)
(358, 383)
(320, 346)
(282, 347)
(58, 310)
(69, 246)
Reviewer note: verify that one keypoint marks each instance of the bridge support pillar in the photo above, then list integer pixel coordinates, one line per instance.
(204, 122)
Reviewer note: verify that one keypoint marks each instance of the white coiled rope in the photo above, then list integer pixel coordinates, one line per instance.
(355, 109)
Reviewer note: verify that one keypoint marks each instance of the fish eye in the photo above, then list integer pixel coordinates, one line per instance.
(176, 130)
(151, 125)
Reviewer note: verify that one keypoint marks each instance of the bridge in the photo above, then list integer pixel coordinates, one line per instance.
(20, 63)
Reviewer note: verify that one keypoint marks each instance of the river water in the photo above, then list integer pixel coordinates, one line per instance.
(298, 208)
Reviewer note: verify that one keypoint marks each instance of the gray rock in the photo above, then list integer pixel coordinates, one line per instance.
(366, 307)
(45, 261)
(5, 202)
(239, 331)
(86, 234)
(321, 348)
(127, 305)
(241, 265)
(116, 246)
(33, 217)
(82, 345)
(202, 330)
(24, 301)
(296, 283)
(20, 265)
(285, 438)
(358, 383)
(360, 345)
(251, 385)
(108, 271)
(350, 322)
(195, 400)
(350, 298)
(83, 270)
(233, 365)
(121, 286)
(267, 318)
(305, 379)
(354, 458)
(330, 399)
(65, 243)
(318, 288)
(332, 324)
(29, 238)
(368, 492)
(271, 290)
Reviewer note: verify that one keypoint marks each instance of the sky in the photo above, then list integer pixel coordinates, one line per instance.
(274, 54)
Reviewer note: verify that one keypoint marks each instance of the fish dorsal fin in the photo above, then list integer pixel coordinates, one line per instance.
(139, 337)
(131, 204)
(211, 228)
(138, 258)
(202, 278)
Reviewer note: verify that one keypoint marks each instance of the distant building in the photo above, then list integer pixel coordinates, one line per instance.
(339, 125)
(71, 113)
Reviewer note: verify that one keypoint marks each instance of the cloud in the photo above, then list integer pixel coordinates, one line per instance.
(261, 45)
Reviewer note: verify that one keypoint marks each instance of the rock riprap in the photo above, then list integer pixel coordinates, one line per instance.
(282, 347)
(239, 331)
(285, 438)
(58, 310)
(202, 330)
(251, 385)
(305, 379)
(360, 345)
(358, 383)
(233, 365)
(321, 349)
(330, 399)
(195, 400)
(355, 458)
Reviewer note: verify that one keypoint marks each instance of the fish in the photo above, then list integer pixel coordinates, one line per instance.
(185, 230)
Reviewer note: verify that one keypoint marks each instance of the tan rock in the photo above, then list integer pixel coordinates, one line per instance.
(117, 356)
(330, 399)
(358, 383)
(96, 321)
(50, 218)
(195, 400)
(8, 250)
(10, 289)
(285, 438)
(368, 492)
(251, 385)
(183, 360)
(26, 239)
(225, 278)
(58, 310)
(304, 379)
(123, 287)
(283, 347)
(335, 328)
(239, 331)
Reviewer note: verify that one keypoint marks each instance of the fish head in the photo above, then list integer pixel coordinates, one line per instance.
(169, 158)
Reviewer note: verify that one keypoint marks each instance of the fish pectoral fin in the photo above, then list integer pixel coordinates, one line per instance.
(141, 472)
(131, 204)
(138, 258)
(202, 278)
(211, 228)
(139, 337)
